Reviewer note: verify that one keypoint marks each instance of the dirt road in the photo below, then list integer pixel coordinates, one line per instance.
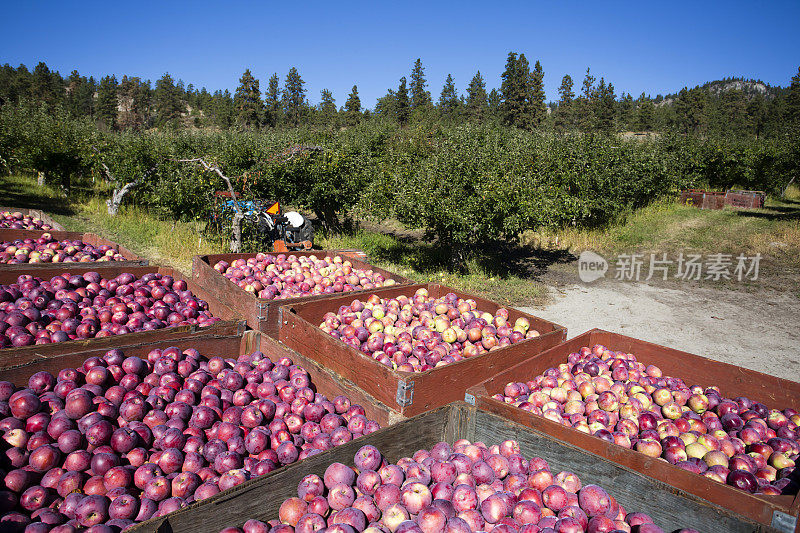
(758, 330)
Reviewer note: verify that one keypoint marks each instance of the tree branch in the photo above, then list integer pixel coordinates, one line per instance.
(107, 170)
(236, 243)
(119, 193)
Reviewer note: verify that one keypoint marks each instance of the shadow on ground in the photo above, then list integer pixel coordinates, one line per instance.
(20, 195)
(499, 259)
(774, 212)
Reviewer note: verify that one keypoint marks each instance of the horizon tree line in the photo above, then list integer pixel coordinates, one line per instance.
(727, 107)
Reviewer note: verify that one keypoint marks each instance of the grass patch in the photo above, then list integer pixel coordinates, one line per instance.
(164, 242)
(173, 243)
(422, 262)
(671, 227)
(23, 192)
(504, 274)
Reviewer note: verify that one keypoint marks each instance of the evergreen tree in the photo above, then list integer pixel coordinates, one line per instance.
(206, 104)
(327, 107)
(134, 108)
(793, 102)
(564, 115)
(587, 88)
(167, 101)
(80, 96)
(510, 106)
(537, 96)
(690, 110)
(272, 101)
(21, 86)
(46, 86)
(386, 105)
(224, 109)
(247, 102)
(757, 115)
(605, 107)
(517, 107)
(448, 100)
(626, 109)
(402, 108)
(353, 107)
(294, 98)
(420, 97)
(107, 102)
(477, 100)
(494, 102)
(584, 107)
(732, 113)
(644, 113)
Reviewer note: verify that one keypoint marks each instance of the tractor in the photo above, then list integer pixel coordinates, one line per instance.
(282, 231)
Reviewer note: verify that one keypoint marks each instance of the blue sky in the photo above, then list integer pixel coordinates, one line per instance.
(651, 47)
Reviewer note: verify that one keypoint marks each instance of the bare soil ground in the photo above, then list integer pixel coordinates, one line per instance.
(756, 329)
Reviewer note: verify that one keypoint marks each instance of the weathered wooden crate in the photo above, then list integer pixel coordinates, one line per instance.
(410, 393)
(259, 313)
(778, 511)
(10, 235)
(44, 217)
(703, 199)
(261, 498)
(745, 199)
(24, 354)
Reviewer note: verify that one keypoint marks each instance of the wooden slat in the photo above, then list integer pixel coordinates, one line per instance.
(432, 388)
(732, 380)
(41, 215)
(259, 313)
(261, 498)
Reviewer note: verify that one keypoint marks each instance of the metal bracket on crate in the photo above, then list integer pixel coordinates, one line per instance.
(405, 393)
(469, 398)
(783, 522)
(263, 311)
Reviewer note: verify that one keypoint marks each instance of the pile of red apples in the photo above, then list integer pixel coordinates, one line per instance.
(462, 488)
(17, 220)
(85, 306)
(611, 395)
(418, 333)
(123, 439)
(46, 249)
(281, 276)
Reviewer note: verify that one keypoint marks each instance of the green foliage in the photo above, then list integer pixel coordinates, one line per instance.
(402, 109)
(272, 102)
(168, 103)
(420, 99)
(106, 108)
(327, 107)
(247, 102)
(448, 100)
(477, 99)
(468, 185)
(523, 93)
(36, 139)
(294, 100)
(352, 108)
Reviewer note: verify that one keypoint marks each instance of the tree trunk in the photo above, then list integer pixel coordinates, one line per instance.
(328, 218)
(786, 189)
(236, 242)
(116, 199)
